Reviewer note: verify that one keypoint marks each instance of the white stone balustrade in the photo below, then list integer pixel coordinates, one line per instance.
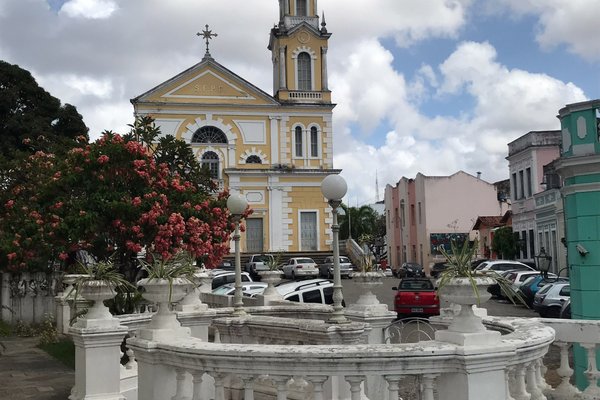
(238, 366)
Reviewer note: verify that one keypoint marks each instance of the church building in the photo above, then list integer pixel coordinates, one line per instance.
(273, 149)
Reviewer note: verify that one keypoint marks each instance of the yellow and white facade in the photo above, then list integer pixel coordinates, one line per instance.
(275, 150)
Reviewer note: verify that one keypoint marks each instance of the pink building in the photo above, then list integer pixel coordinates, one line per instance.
(427, 211)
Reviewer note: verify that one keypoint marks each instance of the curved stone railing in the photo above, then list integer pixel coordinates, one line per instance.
(193, 368)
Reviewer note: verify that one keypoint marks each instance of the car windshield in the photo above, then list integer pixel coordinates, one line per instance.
(481, 266)
(344, 260)
(304, 260)
(264, 258)
(416, 285)
(225, 289)
(545, 289)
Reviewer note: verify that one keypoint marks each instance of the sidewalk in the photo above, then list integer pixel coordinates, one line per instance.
(27, 372)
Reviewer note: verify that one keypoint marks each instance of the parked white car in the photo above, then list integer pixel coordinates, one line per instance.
(300, 267)
(248, 288)
(502, 265)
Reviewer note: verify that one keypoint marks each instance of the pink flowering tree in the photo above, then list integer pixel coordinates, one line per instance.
(113, 198)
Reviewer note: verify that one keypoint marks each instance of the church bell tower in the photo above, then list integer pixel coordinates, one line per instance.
(298, 44)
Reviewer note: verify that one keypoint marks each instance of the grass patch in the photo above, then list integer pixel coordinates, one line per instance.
(63, 351)
(5, 329)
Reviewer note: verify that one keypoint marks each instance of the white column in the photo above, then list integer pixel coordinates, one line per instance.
(275, 218)
(532, 387)
(282, 68)
(324, 78)
(274, 140)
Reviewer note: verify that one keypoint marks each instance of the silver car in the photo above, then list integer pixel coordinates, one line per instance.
(326, 269)
(300, 267)
(549, 300)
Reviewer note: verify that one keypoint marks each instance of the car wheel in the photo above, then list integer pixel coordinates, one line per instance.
(553, 312)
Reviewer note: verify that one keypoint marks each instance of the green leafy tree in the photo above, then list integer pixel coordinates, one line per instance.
(27, 112)
(504, 243)
(361, 220)
(112, 198)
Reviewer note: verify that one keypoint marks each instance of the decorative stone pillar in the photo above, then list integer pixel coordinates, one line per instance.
(324, 78)
(97, 359)
(369, 310)
(475, 380)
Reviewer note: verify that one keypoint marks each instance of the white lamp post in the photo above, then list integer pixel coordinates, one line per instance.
(236, 203)
(334, 189)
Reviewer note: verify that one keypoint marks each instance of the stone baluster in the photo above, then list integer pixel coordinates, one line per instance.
(592, 391)
(219, 386)
(393, 385)
(428, 386)
(318, 382)
(539, 376)
(248, 386)
(281, 385)
(132, 363)
(532, 384)
(509, 376)
(355, 382)
(122, 368)
(520, 392)
(565, 390)
(197, 388)
(180, 376)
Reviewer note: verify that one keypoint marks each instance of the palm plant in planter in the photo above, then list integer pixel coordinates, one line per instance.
(460, 284)
(169, 280)
(98, 282)
(367, 278)
(272, 276)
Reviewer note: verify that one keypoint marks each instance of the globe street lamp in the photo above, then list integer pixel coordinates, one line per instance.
(236, 203)
(334, 189)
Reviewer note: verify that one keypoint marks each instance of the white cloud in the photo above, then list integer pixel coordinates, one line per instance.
(573, 23)
(508, 104)
(92, 9)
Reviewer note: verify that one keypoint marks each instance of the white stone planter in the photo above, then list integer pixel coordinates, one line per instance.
(191, 302)
(69, 280)
(98, 314)
(164, 323)
(467, 328)
(367, 301)
(271, 278)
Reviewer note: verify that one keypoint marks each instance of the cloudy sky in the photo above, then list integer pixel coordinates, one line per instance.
(431, 86)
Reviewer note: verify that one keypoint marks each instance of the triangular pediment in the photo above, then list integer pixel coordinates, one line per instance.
(208, 85)
(207, 82)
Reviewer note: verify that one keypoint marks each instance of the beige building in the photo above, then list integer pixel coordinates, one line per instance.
(428, 211)
(274, 149)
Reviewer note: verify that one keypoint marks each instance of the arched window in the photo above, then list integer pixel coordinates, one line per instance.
(298, 141)
(254, 159)
(209, 134)
(314, 142)
(210, 161)
(301, 8)
(304, 72)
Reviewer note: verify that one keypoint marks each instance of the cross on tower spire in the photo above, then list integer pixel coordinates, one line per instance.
(207, 35)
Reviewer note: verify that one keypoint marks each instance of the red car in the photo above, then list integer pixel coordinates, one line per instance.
(416, 296)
